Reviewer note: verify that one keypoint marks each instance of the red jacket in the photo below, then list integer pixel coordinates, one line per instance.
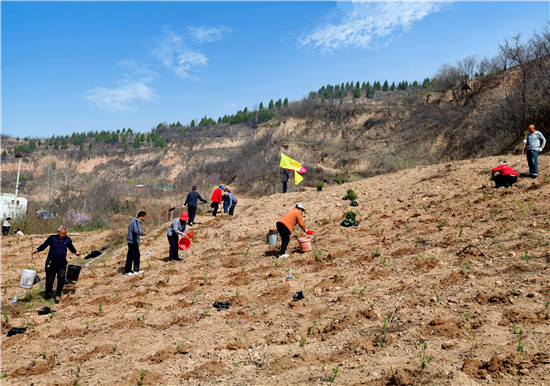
(504, 170)
(217, 195)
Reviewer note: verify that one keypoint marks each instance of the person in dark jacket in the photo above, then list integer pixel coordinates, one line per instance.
(133, 239)
(176, 229)
(284, 179)
(191, 202)
(504, 176)
(56, 262)
(6, 226)
(216, 199)
(225, 199)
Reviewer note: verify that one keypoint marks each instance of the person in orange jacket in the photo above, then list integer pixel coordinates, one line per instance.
(216, 199)
(504, 176)
(286, 224)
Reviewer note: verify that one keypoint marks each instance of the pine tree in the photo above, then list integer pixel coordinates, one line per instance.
(356, 93)
(285, 102)
(385, 86)
(137, 142)
(271, 104)
(392, 87)
(261, 106)
(279, 103)
(90, 145)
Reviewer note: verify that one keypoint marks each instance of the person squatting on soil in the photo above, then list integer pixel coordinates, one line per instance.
(191, 202)
(176, 228)
(286, 224)
(284, 179)
(504, 176)
(56, 262)
(216, 199)
(133, 238)
(225, 199)
(6, 226)
(535, 143)
(232, 202)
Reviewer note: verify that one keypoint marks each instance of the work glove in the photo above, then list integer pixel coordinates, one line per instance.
(525, 141)
(540, 149)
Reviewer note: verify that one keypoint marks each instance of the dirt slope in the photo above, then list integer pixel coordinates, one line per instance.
(440, 257)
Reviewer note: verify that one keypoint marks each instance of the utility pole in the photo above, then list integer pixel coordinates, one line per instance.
(18, 155)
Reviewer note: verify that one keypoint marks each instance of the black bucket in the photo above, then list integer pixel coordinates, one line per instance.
(73, 271)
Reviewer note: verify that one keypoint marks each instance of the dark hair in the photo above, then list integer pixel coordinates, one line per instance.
(142, 213)
(9, 218)
(194, 187)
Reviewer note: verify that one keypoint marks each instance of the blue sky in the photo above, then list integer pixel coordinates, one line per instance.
(80, 66)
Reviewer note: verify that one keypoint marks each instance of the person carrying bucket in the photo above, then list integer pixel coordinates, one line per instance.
(56, 262)
(191, 202)
(176, 228)
(286, 224)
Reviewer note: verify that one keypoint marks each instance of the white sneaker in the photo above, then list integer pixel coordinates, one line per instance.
(138, 272)
(129, 274)
(283, 256)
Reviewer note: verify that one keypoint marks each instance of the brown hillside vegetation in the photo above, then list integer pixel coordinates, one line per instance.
(444, 281)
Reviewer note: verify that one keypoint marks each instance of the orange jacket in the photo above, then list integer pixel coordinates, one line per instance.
(291, 218)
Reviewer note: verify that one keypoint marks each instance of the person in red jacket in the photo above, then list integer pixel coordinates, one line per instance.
(504, 176)
(216, 199)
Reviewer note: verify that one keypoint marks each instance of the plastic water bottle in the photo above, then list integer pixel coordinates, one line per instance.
(147, 252)
(15, 299)
(290, 273)
(86, 265)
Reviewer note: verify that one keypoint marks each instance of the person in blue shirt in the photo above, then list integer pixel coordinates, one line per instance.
(176, 228)
(133, 256)
(191, 202)
(535, 143)
(232, 202)
(56, 262)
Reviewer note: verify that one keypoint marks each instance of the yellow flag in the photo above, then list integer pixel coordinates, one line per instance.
(289, 163)
(297, 178)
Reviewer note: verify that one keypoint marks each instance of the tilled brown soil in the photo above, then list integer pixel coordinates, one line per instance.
(444, 281)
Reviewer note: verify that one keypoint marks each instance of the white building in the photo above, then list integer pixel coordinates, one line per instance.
(12, 206)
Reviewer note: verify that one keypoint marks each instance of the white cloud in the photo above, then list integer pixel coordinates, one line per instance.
(121, 98)
(366, 24)
(176, 56)
(205, 34)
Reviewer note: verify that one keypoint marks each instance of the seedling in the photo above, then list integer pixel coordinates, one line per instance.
(142, 375)
(141, 317)
(519, 344)
(303, 341)
(179, 345)
(237, 364)
(100, 307)
(425, 359)
(435, 292)
(310, 329)
(237, 293)
(350, 215)
(467, 263)
(335, 372)
(377, 253)
(371, 305)
(6, 317)
(526, 256)
(363, 289)
(114, 347)
(204, 313)
(44, 354)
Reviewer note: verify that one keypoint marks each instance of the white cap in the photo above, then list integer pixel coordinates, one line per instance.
(300, 206)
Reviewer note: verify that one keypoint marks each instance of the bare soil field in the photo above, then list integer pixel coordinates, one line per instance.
(444, 281)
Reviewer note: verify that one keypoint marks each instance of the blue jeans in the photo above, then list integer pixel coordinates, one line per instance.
(533, 161)
(225, 206)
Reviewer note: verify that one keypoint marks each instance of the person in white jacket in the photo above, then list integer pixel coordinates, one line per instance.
(535, 143)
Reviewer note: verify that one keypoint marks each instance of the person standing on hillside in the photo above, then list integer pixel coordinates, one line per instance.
(284, 179)
(134, 233)
(56, 262)
(176, 229)
(6, 226)
(191, 202)
(225, 199)
(232, 200)
(535, 143)
(216, 199)
(286, 224)
(504, 176)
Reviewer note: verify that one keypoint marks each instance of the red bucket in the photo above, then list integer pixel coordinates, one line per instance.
(184, 243)
(191, 234)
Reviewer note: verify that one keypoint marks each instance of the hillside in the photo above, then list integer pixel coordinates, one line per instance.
(444, 281)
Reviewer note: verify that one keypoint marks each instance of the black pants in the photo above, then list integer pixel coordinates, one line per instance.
(52, 269)
(215, 206)
(284, 187)
(507, 180)
(132, 258)
(191, 211)
(5, 230)
(232, 208)
(285, 237)
(173, 241)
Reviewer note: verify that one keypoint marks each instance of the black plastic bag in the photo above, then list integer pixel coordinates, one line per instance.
(36, 279)
(345, 198)
(92, 255)
(355, 224)
(298, 296)
(16, 330)
(221, 305)
(353, 203)
(346, 223)
(44, 311)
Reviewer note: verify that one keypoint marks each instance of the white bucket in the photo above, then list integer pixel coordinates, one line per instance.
(27, 278)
